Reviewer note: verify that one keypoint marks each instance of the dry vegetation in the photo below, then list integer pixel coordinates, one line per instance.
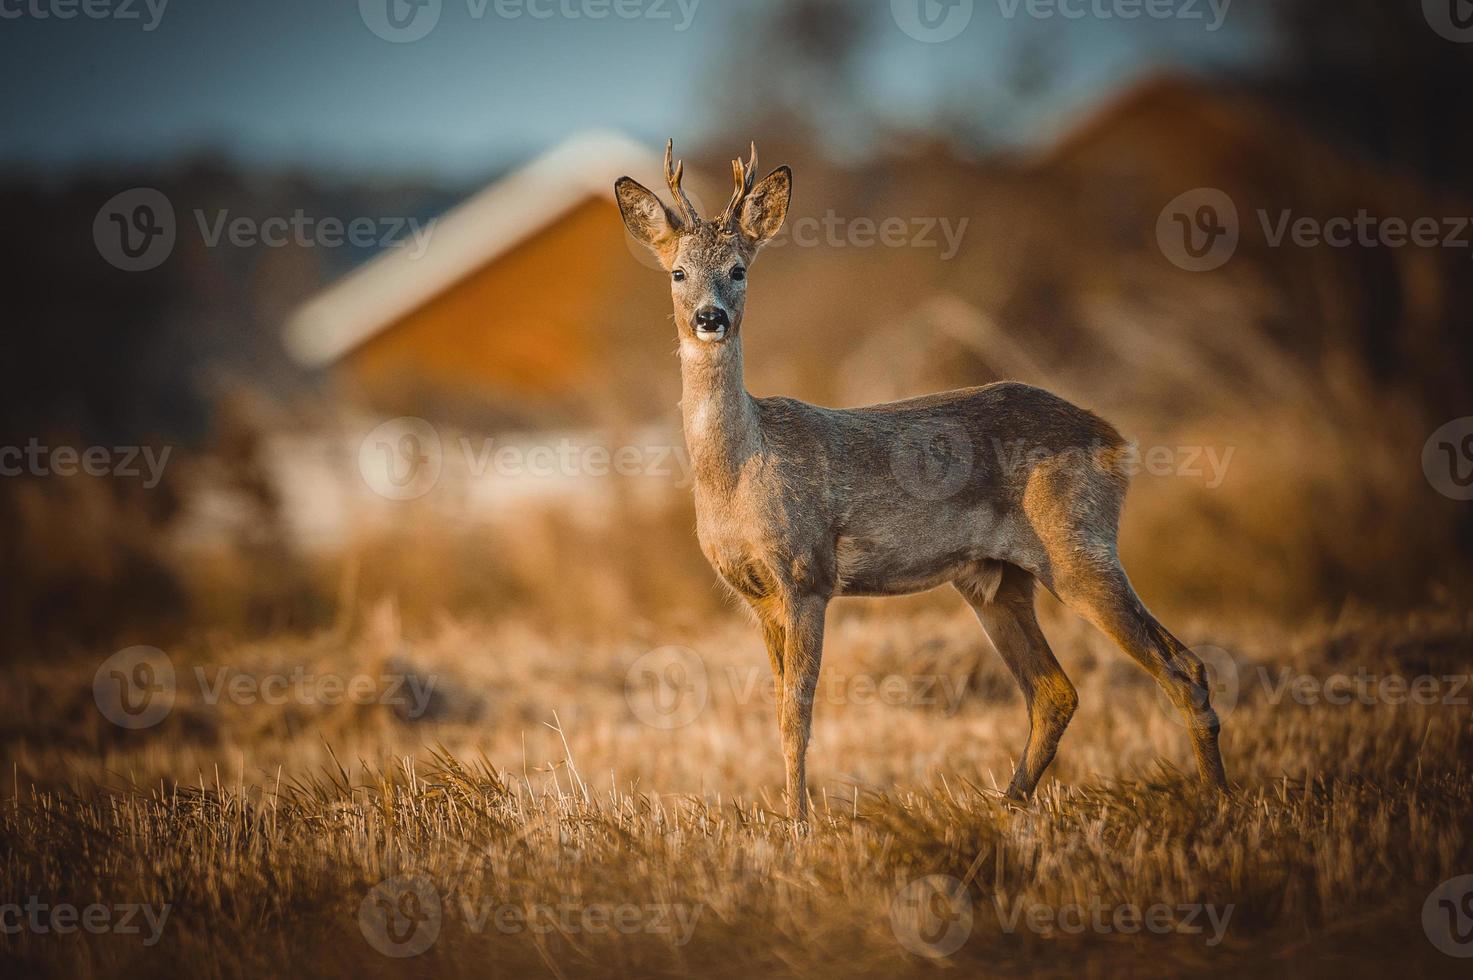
(530, 786)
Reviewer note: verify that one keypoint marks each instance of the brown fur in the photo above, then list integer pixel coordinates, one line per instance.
(991, 489)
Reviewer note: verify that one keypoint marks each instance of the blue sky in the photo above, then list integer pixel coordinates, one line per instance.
(309, 83)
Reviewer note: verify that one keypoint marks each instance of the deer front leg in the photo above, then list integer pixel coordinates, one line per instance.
(775, 638)
(802, 655)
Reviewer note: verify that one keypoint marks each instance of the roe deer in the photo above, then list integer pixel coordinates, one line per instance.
(797, 504)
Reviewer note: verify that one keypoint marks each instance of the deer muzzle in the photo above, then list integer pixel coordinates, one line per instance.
(711, 323)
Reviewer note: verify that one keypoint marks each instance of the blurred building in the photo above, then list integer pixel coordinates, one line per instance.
(514, 311)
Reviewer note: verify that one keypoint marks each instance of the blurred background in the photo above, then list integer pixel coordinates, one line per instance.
(317, 310)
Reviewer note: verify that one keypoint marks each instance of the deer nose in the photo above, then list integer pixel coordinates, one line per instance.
(711, 319)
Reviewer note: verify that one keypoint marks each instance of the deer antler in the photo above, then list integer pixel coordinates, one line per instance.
(686, 210)
(744, 176)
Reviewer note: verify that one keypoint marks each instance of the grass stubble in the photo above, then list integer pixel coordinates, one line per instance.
(558, 834)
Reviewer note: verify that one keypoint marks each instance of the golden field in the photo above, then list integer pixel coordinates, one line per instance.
(569, 819)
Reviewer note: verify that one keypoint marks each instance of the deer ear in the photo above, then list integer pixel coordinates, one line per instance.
(764, 209)
(651, 223)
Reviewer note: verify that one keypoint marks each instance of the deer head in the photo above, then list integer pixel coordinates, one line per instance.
(707, 260)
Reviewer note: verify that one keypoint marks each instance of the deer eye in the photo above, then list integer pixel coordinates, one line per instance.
(678, 275)
(738, 274)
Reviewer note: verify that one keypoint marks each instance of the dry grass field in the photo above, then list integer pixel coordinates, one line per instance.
(501, 804)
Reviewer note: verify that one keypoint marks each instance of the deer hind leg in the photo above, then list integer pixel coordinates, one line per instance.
(1101, 593)
(802, 656)
(1005, 609)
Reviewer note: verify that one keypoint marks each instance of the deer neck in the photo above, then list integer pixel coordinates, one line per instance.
(718, 415)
